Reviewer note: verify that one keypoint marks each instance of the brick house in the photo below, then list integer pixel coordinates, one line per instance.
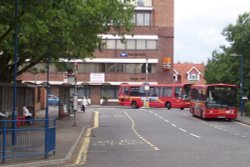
(151, 46)
(189, 73)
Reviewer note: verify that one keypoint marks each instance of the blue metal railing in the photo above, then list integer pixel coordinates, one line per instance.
(29, 140)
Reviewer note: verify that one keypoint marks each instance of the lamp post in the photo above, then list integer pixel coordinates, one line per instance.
(146, 86)
(75, 105)
(241, 83)
(14, 111)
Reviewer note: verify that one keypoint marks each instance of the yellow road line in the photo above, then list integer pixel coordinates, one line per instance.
(82, 155)
(138, 135)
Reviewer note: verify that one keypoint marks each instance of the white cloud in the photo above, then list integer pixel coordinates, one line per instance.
(198, 26)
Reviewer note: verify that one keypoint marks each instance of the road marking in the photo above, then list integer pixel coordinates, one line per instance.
(242, 124)
(82, 155)
(195, 135)
(138, 135)
(173, 125)
(182, 130)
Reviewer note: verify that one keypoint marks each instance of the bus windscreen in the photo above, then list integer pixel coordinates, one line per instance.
(222, 97)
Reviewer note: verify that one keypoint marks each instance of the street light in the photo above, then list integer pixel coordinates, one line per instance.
(146, 86)
(241, 83)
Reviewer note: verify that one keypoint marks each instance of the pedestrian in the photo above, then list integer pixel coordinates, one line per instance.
(84, 103)
(27, 115)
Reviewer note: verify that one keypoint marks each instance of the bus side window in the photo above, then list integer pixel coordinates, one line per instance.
(134, 91)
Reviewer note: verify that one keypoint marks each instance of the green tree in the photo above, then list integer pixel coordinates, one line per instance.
(223, 67)
(66, 28)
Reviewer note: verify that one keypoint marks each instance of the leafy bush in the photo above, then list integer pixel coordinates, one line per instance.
(247, 108)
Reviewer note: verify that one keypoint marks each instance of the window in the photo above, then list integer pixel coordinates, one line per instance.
(120, 68)
(139, 19)
(110, 91)
(193, 77)
(100, 67)
(178, 92)
(115, 67)
(120, 44)
(131, 44)
(144, 68)
(142, 18)
(175, 77)
(110, 44)
(140, 44)
(151, 44)
(167, 91)
(82, 91)
(111, 68)
(142, 3)
(130, 68)
(134, 91)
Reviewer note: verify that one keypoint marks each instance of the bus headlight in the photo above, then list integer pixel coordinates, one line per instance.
(229, 112)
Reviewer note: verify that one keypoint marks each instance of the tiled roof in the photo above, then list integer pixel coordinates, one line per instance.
(183, 68)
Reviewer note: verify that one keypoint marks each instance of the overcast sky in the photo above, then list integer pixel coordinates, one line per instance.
(198, 26)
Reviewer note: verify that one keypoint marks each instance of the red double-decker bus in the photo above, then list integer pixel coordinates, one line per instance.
(157, 96)
(214, 101)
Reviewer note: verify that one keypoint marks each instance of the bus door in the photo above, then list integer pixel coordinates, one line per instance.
(186, 91)
(178, 95)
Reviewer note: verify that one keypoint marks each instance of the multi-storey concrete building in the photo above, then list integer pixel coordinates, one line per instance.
(151, 45)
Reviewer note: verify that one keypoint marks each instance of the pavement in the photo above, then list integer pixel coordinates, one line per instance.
(68, 137)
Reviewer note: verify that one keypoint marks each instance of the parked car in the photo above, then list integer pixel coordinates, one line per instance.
(53, 100)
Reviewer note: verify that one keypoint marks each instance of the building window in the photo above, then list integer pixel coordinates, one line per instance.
(140, 44)
(110, 44)
(130, 44)
(193, 77)
(151, 45)
(142, 3)
(175, 78)
(115, 68)
(82, 91)
(111, 68)
(110, 91)
(142, 19)
(120, 44)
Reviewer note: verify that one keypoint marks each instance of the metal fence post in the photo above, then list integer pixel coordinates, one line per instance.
(4, 143)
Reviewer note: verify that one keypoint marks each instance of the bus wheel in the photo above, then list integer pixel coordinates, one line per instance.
(168, 105)
(134, 105)
(182, 108)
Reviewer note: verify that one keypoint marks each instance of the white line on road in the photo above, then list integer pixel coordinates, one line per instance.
(173, 125)
(138, 135)
(182, 130)
(195, 135)
(161, 117)
(166, 120)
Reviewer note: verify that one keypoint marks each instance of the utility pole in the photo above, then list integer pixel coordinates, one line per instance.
(75, 101)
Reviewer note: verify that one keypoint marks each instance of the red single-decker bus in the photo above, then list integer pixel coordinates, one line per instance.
(214, 101)
(158, 95)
